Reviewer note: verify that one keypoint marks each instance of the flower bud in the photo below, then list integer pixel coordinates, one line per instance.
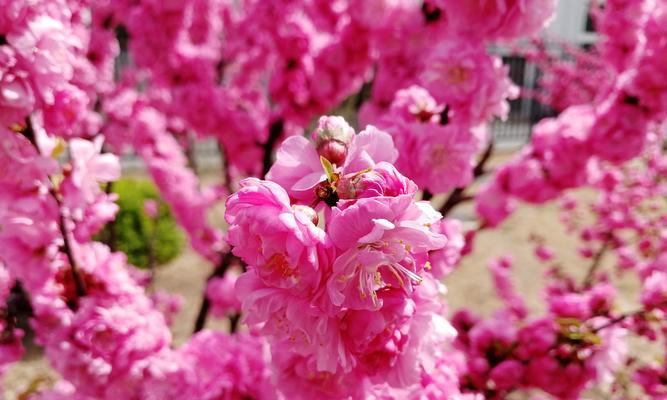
(333, 128)
(332, 137)
(334, 151)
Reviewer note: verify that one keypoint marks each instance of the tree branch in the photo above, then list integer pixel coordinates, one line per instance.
(275, 132)
(79, 284)
(219, 271)
(427, 195)
(458, 196)
(596, 261)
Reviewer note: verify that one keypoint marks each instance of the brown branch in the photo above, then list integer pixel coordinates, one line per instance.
(486, 156)
(625, 316)
(219, 271)
(363, 94)
(79, 284)
(458, 196)
(452, 201)
(592, 269)
(427, 195)
(275, 132)
(225, 168)
(111, 238)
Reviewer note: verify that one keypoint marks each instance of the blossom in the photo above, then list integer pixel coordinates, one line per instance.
(102, 352)
(472, 83)
(384, 242)
(283, 245)
(505, 19)
(298, 167)
(220, 291)
(493, 204)
(211, 365)
(381, 180)
(438, 156)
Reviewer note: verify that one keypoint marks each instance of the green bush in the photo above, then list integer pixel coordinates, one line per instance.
(134, 231)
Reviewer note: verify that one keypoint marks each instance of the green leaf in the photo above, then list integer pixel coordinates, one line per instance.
(328, 168)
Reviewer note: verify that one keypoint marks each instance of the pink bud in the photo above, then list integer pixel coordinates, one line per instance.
(333, 128)
(333, 150)
(543, 253)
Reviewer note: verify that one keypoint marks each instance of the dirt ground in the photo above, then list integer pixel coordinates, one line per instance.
(469, 286)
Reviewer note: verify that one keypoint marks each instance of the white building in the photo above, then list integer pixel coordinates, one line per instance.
(572, 22)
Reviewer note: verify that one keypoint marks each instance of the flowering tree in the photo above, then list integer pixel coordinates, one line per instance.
(332, 268)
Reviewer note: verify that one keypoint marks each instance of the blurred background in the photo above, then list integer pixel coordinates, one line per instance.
(146, 231)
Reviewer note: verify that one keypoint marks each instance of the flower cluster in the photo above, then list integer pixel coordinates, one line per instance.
(565, 152)
(337, 252)
(329, 260)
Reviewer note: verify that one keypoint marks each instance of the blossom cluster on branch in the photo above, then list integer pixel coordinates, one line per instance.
(334, 258)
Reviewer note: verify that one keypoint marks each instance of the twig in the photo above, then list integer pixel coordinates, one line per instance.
(596, 261)
(234, 320)
(479, 168)
(458, 196)
(624, 316)
(452, 201)
(275, 132)
(111, 235)
(427, 195)
(225, 262)
(152, 262)
(79, 284)
(363, 94)
(225, 168)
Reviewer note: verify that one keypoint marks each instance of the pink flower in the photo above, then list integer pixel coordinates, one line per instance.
(654, 290)
(445, 156)
(443, 261)
(332, 138)
(298, 167)
(504, 287)
(87, 204)
(294, 324)
(16, 95)
(103, 350)
(382, 180)
(282, 244)
(493, 204)
(178, 185)
(543, 253)
(438, 154)
(220, 291)
(475, 85)
(537, 338)
(562, 147)
(507, 375)
(619, 131)
(384, 242)
(214, 365)
(497, 19)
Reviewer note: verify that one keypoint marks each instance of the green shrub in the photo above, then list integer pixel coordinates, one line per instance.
(134, 230)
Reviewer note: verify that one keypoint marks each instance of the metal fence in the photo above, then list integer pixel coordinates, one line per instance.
(524, 111)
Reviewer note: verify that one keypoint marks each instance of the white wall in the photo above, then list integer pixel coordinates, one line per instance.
(570, 22)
